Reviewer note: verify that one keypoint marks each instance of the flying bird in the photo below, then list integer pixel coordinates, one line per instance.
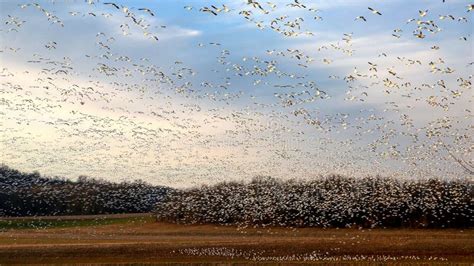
(147, 10)
(112, 4)
(208, 10)
(374, 11)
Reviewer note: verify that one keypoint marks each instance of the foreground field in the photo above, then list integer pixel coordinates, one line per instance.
(127, 239)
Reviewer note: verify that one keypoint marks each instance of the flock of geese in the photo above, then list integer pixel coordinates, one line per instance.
(114, 112)
(316, 255)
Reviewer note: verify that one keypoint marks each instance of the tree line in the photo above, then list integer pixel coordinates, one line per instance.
(30, 194)
(333, 201)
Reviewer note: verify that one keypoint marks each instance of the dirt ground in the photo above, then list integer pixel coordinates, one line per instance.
(147, 241)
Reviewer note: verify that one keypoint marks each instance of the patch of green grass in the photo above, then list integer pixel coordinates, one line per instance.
(43, 224)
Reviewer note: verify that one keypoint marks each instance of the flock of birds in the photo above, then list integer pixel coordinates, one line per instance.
(112, 111)
(306, 257)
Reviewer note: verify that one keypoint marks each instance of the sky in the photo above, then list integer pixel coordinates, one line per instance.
(197, 92)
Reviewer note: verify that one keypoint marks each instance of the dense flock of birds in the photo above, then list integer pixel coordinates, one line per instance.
(111, 111)
(306, 257)
(335, 201)
(181, 93)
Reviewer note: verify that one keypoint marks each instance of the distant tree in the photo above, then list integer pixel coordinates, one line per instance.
(23, 194)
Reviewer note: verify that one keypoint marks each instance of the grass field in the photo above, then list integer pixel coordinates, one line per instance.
(134, 239)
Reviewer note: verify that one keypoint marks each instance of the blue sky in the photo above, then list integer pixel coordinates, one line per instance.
(210, 113)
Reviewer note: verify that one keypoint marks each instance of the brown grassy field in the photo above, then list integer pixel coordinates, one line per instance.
(129, 239)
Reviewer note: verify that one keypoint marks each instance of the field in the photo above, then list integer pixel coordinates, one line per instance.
(139, 238)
